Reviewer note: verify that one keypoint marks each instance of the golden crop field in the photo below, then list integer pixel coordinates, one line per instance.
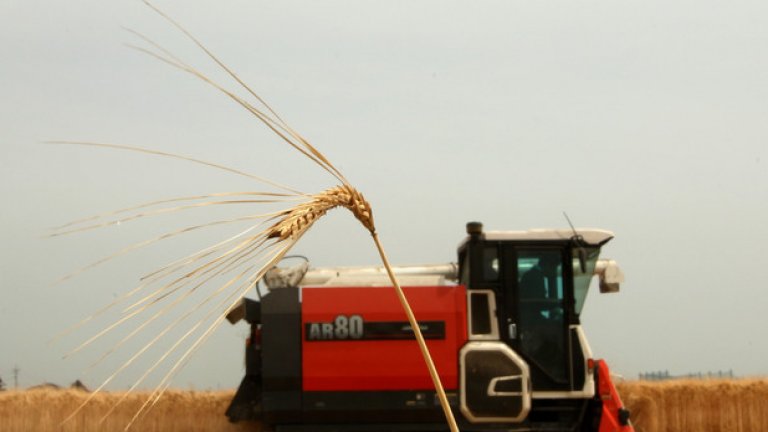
(671, 406)
(178, 411)
(697, 405)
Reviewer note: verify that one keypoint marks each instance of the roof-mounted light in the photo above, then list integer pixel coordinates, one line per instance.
(611, 276)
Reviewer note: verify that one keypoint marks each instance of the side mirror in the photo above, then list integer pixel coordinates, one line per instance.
(583, 260)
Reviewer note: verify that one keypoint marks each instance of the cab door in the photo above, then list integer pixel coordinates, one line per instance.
(537, 291)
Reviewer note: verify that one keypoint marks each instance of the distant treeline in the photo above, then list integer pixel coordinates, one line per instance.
(665, 375)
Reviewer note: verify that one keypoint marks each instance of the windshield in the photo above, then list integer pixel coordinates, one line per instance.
(581, 279)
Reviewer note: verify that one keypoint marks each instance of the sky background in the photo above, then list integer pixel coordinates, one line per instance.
(646, 118)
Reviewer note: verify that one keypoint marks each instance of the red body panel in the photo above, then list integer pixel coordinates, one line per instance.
(364, 365)
(609, 420)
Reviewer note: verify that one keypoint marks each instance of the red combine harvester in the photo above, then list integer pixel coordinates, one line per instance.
(331, 349)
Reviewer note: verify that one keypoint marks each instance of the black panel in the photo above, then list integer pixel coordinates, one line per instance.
(481, 367)
(281, 406)
(481, 318)
(374, 330)
(509, 386)
(252, 311)
(403, 330)
(253, 353)
(281, 353)
(559, 414)
(373, 407)
(577, 358)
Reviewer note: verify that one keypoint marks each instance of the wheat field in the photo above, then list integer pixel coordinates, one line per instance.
(43, 410)
(671, 406)
(697, 405)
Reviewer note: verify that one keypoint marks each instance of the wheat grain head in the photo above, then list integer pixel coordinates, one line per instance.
(296, 221)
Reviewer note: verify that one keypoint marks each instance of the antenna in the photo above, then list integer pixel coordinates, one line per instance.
(575, 234)
(578, 240)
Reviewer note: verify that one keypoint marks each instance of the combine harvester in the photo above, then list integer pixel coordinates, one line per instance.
(331, 348)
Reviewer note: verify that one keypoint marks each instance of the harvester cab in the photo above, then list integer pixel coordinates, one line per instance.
(334, 352)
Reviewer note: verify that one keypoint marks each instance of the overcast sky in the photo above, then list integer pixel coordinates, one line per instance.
(645, 118)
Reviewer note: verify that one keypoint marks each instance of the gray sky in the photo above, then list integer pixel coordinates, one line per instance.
(645, 118)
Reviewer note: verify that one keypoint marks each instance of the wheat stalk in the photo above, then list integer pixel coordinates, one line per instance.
(262, 249)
